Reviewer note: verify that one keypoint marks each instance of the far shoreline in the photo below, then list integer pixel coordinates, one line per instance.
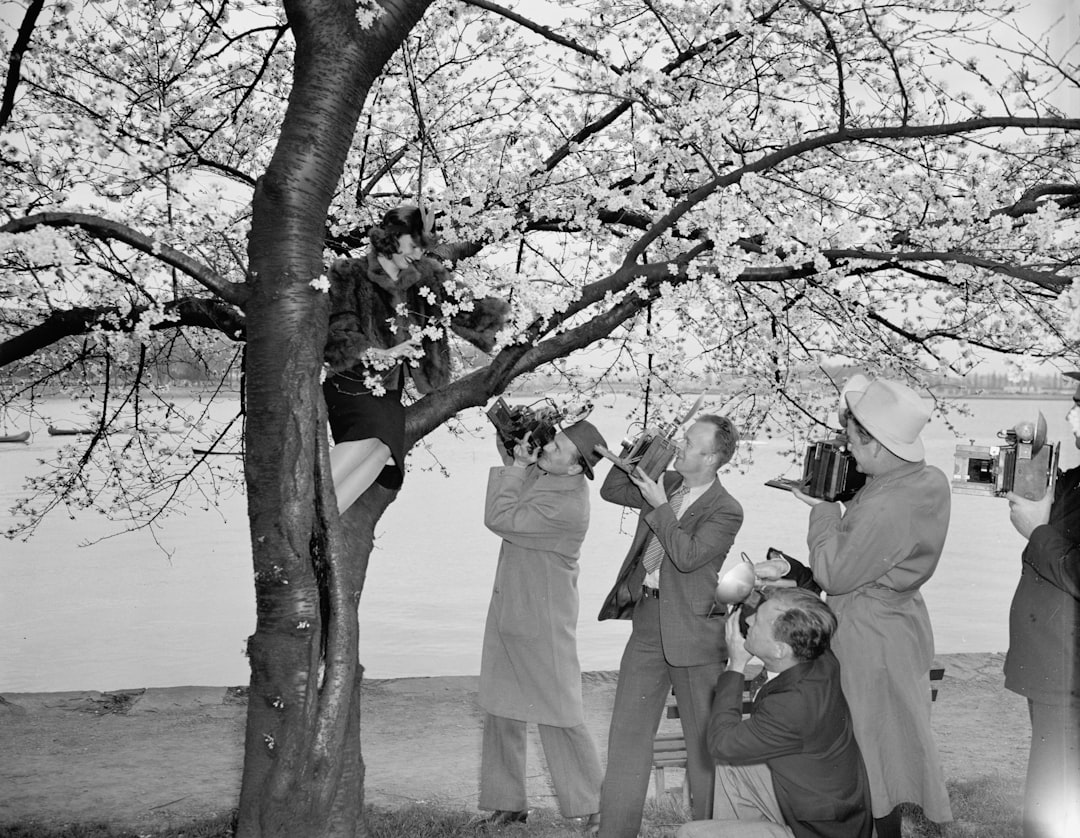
(1049, 396)
(957, 665)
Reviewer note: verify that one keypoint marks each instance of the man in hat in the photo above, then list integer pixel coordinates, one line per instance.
(687, 523)
(1043, 664)
(871, 558)
(538, 503)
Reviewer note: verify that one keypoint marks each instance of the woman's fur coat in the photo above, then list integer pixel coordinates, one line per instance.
(368, 309)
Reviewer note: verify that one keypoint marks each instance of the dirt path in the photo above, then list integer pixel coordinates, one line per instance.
(148, 758)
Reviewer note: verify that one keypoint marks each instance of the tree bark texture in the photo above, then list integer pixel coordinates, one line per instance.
(303, 771)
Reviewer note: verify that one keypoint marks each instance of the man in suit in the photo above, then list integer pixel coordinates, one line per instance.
(793, 768)
(688, 522)
(1043, 664)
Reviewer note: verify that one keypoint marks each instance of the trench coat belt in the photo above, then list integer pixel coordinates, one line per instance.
(646, 591)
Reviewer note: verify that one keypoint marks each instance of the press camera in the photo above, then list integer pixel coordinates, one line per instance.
(539, 421)
(1024, 462)
(829, 472)
(513, 423)
(653, 449)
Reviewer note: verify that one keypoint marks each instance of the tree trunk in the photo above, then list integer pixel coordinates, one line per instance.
(303, 771)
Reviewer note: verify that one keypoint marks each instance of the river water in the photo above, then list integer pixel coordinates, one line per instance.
(175, 608)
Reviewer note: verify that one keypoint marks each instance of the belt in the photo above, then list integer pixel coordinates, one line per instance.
(647, 592)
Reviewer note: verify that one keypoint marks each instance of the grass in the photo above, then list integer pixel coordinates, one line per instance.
(986, 807)
(219, 827)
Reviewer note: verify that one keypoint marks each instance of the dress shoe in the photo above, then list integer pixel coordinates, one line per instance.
(591, 825)
(500, 817)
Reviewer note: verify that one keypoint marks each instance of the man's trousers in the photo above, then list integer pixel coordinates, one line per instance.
(744, 806)
(1052, 792)
(645, 680)
(572, 759)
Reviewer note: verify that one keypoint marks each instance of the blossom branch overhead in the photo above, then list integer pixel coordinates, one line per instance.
(782, 177)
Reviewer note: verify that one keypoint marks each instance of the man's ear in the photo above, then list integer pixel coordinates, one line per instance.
(575, 468)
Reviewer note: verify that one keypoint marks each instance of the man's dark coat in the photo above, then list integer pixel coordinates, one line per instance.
(800, 727)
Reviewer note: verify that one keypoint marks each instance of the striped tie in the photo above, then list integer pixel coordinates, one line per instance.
(654, 553)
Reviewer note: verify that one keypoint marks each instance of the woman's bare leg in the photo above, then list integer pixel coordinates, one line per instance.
(354, 466)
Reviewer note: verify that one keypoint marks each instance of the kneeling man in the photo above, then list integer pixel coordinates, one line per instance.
(793, 767)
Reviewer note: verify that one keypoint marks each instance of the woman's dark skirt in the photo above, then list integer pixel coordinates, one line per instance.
(356, 414)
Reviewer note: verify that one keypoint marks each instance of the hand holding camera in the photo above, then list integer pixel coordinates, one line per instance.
(525, 453)
(809, 500)
(744, 582)
(1027, 514)
(651, 490)
(772, 570)
(533, 424)
(738, 657)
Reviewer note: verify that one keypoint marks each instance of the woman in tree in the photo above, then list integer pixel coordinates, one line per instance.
(389, 315)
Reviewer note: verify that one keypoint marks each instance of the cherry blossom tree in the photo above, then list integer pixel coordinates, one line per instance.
(751, 190)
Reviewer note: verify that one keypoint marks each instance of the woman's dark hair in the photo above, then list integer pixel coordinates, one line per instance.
(402, 221)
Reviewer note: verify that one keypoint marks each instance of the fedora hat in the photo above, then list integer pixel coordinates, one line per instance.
(893, 414)
(585, 438)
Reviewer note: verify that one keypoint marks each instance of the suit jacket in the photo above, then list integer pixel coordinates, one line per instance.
(1044, 621)
(696, 545)
(800, 726)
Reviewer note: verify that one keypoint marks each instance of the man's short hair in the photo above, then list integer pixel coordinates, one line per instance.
(725, 436)
(806, 624)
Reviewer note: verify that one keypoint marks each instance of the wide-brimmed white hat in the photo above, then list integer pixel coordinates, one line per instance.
(894, 414)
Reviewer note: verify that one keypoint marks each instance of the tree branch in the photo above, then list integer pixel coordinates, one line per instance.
(841, 95)
(18, 50)
(603, 121)
(845, 135)
(1043, 279)
(102, 228)
(532, 26)
(193, 311)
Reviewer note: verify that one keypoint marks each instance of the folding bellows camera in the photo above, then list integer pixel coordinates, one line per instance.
(513, 423)
(829, 472)
(1024, 463)
(653, 449)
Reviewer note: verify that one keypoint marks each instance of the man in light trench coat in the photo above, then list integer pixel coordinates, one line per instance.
(538, 503)
(871, 556)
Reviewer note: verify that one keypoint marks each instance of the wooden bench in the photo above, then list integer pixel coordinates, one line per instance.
(669, 749)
